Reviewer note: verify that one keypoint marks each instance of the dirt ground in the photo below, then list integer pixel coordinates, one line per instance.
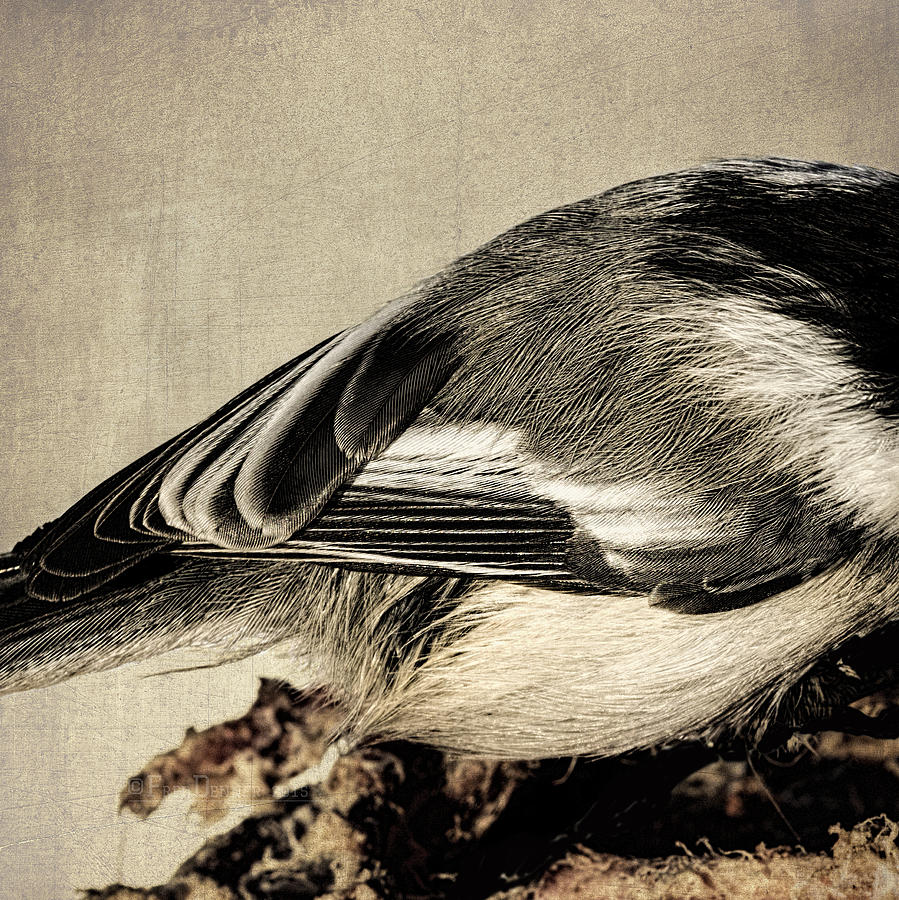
(398, 820)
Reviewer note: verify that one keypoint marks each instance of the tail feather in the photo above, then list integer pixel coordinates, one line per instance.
(248, 606)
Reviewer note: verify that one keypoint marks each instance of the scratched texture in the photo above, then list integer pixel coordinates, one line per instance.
(194, 191)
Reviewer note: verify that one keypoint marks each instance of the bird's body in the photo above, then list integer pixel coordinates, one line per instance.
(625, 474)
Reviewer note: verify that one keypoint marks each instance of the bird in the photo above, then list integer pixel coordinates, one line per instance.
(624, 475)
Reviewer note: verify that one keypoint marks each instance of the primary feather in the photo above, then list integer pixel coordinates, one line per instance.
(680, 396)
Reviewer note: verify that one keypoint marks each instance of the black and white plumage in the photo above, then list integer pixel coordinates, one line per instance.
(624, 474)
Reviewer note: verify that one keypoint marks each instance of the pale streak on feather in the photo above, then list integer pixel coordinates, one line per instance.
(492, 461)
(801, 384)
(630, 514)
(349, 553)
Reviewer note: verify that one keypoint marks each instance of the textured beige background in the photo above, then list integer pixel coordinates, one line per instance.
(193, 192)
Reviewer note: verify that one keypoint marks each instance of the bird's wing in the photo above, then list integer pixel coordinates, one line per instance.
(341, 457)
(259, 469)
(442, 498)
(687, 436)
(476, 500)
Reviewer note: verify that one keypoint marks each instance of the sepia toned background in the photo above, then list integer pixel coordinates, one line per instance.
(193, 192)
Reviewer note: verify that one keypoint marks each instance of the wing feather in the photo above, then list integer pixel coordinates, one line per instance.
(260, 468)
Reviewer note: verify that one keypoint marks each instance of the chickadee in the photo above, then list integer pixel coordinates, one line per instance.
(627, 473)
